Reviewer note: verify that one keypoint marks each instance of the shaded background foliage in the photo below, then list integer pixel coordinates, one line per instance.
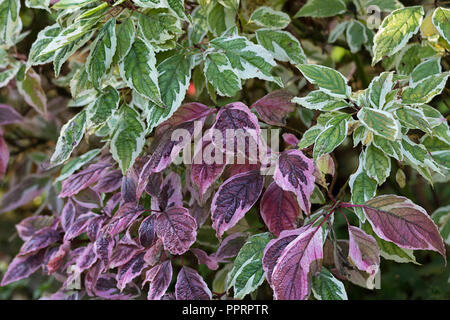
(32, 143)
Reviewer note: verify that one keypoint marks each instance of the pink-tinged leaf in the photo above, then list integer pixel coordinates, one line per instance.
(23, 266)
(8, 115)
(154, 253)
(56, 260)
(230, 246)
(104, 246)
(83, 179)
(168, 296)
(23, 192)
(147, 233)
(87, 258)
(153, 187)
(28, 226)
(93, 229)
(398, 220)
(149, 180)
(159, 277)
(39, 240)
(290, 139)
(109, 182)
(128, 187)
(79, 226)
(299, 261)
(279, 209)
(234, 198)
(124, 217)
(122, 254)
(177, 229)
(68, 215)
(111, 204)
(170, 195)
(199, 213)
(91, 277)
(194, 191)
(130, 270)
(88, 198)
(4, 156)
(235, 168)
(186, 113)
(275, 248)
(106, 287)
(274, 107)
(364, 252)
(295, 172)
(191, 286)
(204, 258)
(206, 169)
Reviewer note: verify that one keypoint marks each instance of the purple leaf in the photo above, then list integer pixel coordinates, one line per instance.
(279, 209)
(154, 253)
(122, 254)
(302, 258)
(109, 182)
(28, 226)
(4, 156)
(147, 233)
(230, 246)
(57, 258)
(364, 252)
(87, 258)
(191, 286)
(130, 270)
(177, 229)
(39, 240)
(83, 179)
(199, 213)
(275, 248)
(153, 187)
(112, 203)
(170, 195)
(22, 266)
(294, 172)
(68, 215)
(79, 226)
(128, 187)
(103, 247)
(159, 277)
(124, 217)
(235, 168)
(8, 115)
(397, 219)
(274, 107)
(88, 198)
(204, 258)
(106, 287)
(93, 229)
(290, 139)
(234, 198)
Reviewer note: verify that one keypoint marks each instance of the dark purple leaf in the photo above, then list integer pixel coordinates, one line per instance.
(177, 229)
(93, 229)
(130, 270)
(128, 187)
(83, 179)
(87, 258)
(112, 203)
(68, 215)
(199, 213)
(23, 266)
(274, 107)
(279, 209)
(103, 247)
(147, 233)
(159, 277)
(124, 217)
(88, 198)
(28, 226)
(234, 198)
(204, 258)
(39, 240)
(106, 287)
(4, 156)
(122, 254)
(294, 172)
(109, 182)
(191, 286)
(8, 115)
(230, 246)
(170, 195)
(153, 187)
(79, 226)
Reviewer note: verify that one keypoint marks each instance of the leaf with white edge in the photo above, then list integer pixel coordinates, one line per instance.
(8, 74)
(125, 35)
(377, 164)
(199, 28)
(294, 172)
(322, 8)
(128, 138)
(23, 266)
(326, 287)
(309, 137)
(44, 38)
(337, 31)
(425, 90)
(441, 218)
(247, 273)
(332, 135)
(399, 220)
(70, 4)
(29, 86)
(269, 18)
(177, 7)
(138, 69)
(299, 261)
(319, 100)
(158, 27)
(76, 163)
(441, 18)
(71, 134)
(413, 118)
(329, 80)
(220, 19)
(391, 148)
(159, 277)
(381, 123)
(10, 22)
(221, 75)
(99, 111)
(282, 45)
(356, 35)
(425, 69)
(38, 4)
(379, 88)
(248, 60)
(364, 252)
(191, 286)
(417, 154)
(396, 30)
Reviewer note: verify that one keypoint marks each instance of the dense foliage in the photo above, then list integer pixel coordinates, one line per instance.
(354, 89)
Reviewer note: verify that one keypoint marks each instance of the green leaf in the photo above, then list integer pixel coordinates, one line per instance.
(199, 28)
(441, 20)
(99, 111)
(8, 74)
(177, 7)
(319, 100)
(247, 273)
(44, 38)
(425, 90)
(309, 137)
(269, 18)
(71, 134)
(413, 119)
(417, 154)
(128, 138)
(396, 30)
(337, 31)
(326, 287)
(380, 122)
(221, 75)
(76, 163)
(329, 80)
(282, 45)
(322, 8)
(71, 4)
(138, 70)
(391, 148)
(356, 35)
(10, 23)
(29, 86)
(411, 56)
(125, 34)
(37, 4)
(158, 27)
(379, 88)
(102, 53)
(332, 136)
(442, 219)
(425, 69)
(220, 19)
(377, 164)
